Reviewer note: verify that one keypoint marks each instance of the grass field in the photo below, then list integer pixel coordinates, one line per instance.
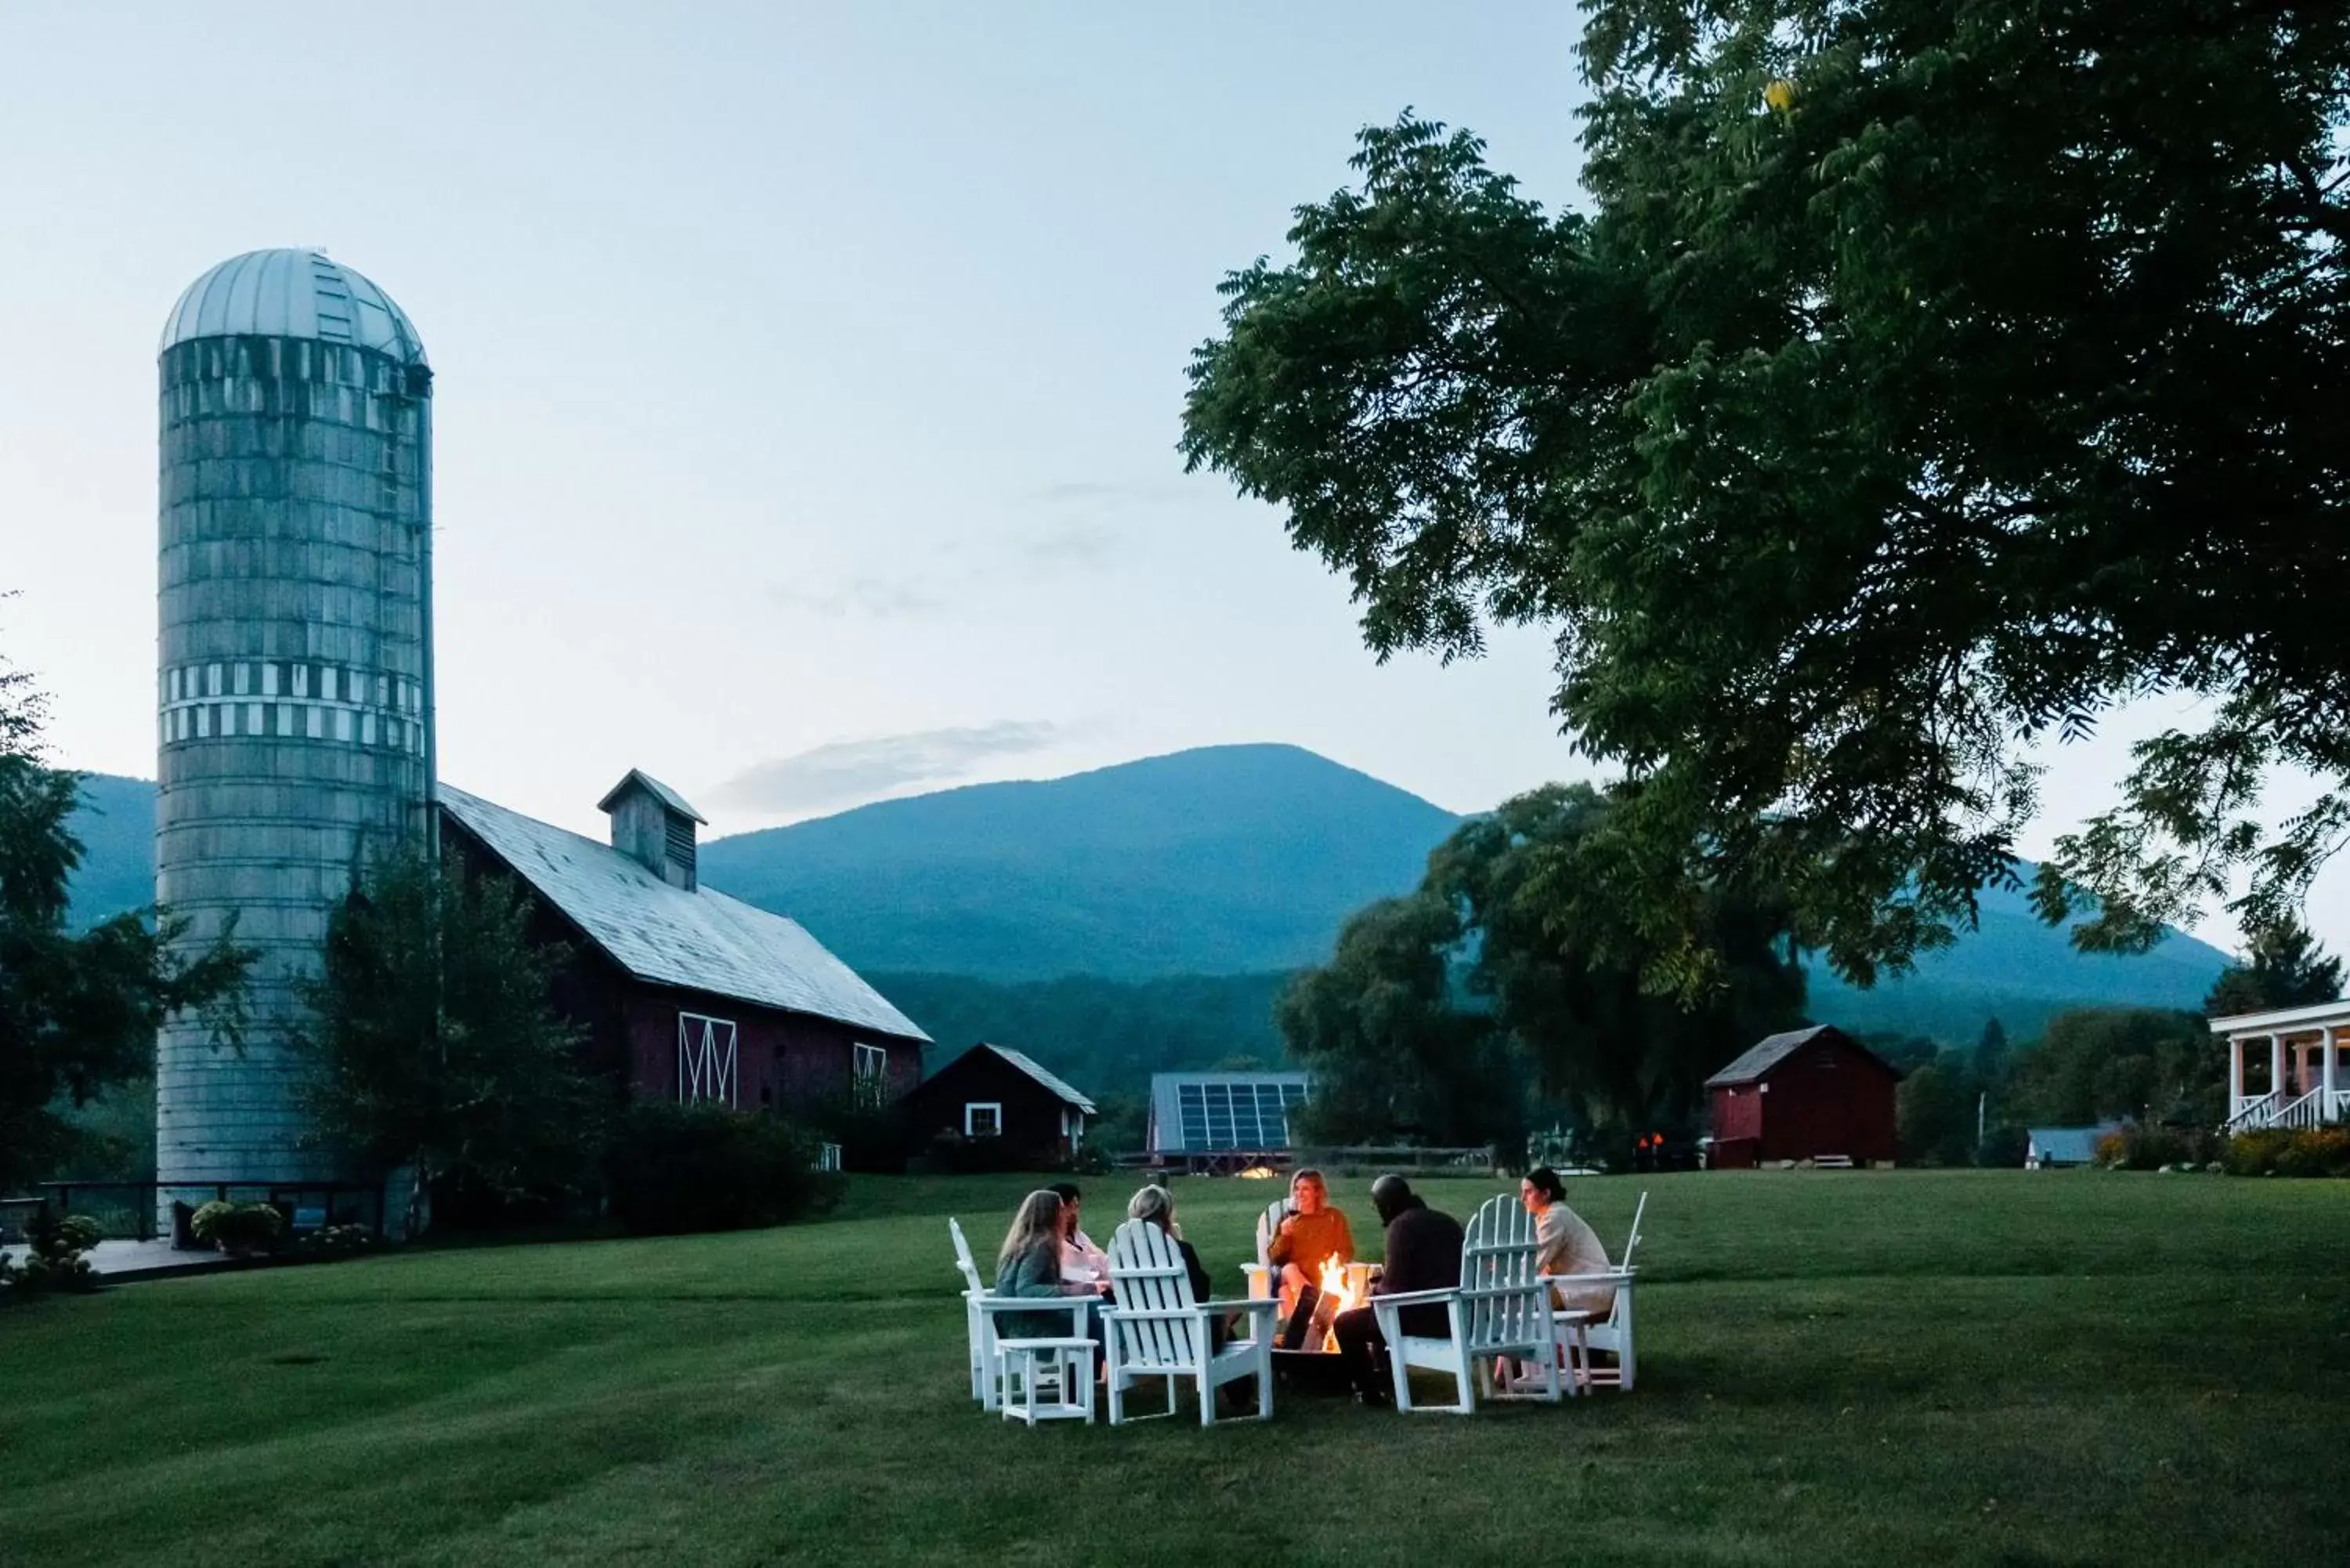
(1993, 1368)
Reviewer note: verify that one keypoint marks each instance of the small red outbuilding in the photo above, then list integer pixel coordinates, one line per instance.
(1804, 1094)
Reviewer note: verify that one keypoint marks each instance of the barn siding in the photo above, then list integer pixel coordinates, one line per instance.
(790, 1061)
(1829, 1097)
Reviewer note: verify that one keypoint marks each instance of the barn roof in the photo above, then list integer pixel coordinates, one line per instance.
(699, 940)
(1759, 1058)
(1036, 1070)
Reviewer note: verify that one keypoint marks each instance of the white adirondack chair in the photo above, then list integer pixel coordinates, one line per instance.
(1499, 1315)
(1261, 1275)
(976, 1324)
(1612, 1334)
(1156, 1330)
(992, 1380)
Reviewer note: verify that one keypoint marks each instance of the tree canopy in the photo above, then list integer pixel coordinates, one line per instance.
(1511, 978)
(2285, 968)
(78, 1011)
(436, 1044)
(1919, 381)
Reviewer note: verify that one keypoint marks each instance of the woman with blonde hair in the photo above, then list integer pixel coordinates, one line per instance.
(1154, 1205)
(1029, 1264)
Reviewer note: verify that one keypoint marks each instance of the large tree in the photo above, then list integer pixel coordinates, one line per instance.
(1920, 380)
(2285, 968)
(78, 1009)
(436, 1046)
(1512, 976)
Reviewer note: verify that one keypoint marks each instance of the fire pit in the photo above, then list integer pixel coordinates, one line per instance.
(1305, 1351)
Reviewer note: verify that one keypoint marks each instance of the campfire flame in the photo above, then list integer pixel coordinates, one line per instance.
(1337, 1296)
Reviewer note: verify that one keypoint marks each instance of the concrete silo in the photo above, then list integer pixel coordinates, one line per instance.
(296, 679)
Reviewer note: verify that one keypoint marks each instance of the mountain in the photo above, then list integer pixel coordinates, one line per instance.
(1222, 860)
(1143, 917)
(2014, 969)
(116, 825)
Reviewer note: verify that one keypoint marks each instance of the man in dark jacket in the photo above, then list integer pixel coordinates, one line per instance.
(1423, 1253)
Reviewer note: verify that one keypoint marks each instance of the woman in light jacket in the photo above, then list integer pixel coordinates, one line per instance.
(1030, 1265)
(1566, 1244)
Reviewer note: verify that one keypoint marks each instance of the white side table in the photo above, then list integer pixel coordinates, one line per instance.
(1065, 1364)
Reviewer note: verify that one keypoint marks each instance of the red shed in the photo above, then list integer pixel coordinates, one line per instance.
(1804, 1094)
(682, 991)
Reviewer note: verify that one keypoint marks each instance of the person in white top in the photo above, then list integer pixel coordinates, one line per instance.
(1082, 1263)
(1567, 1244)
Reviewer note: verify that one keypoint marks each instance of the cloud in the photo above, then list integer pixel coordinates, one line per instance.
(870, 599)
(1072, 544)
(1103, 495)
(846, 772)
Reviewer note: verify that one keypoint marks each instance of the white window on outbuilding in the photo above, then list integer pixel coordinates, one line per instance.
(873, 1060)
(983, 1119)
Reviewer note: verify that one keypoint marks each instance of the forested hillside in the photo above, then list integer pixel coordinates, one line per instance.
(1143, 917)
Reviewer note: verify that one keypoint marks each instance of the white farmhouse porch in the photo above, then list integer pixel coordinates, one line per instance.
(2289, 1067)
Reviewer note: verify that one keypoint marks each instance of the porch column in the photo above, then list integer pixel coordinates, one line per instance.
(2236, 1044)
(2276, 1067)
(2325, 1069)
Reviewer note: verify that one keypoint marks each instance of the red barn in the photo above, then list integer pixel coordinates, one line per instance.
(1808, 1094)
(682, 991)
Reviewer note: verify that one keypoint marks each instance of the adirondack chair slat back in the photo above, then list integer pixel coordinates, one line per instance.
(1268, 1223)
(1146, 1274)
(963, 1260)
(1632, 1242)
(1503, 1294)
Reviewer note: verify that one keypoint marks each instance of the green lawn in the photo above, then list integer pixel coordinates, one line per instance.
(1995, 1367)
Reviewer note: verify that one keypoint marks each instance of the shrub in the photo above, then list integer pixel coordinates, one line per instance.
(335, 1241)
(2278, 1151)
(2153, 1148)
(871, 1133)
(59, 1259)
(79, 1232)
(709, 1167)
(238, 1227)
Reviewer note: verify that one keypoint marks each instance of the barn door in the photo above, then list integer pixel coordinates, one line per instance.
(707, 1065)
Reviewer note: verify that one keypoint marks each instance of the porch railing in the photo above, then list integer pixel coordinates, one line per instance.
(2308, 1111)
(2254, 1112)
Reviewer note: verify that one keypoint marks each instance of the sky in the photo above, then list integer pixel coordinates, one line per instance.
(807, 377)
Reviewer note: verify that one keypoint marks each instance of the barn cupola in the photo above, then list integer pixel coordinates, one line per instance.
(652, 826)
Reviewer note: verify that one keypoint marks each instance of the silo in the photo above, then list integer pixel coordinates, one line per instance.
(295, 662)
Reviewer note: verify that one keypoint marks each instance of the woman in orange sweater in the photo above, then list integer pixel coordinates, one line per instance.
(1311, 1234)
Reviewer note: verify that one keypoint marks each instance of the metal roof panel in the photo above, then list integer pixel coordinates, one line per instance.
(701, 940)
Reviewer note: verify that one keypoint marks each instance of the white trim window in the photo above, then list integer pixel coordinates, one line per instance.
(873, 1060)
(708, 1065)
(983, 1119)
(868, 1080)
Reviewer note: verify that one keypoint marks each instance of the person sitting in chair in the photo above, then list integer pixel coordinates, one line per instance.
(1567, 1244)
(1311, 1234)
(1155, 1205)
(1082, 1263)
(1030, 1265)
(1424, 1255)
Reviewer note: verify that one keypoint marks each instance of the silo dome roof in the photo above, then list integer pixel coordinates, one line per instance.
(293, 294)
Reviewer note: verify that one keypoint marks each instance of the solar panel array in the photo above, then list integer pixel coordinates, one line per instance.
(1241, 1115)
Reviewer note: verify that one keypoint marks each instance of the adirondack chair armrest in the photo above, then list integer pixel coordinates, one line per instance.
(1153, 1314)
(994, 1304)
(1417, 1298)
(1252, 1305)
(1606, 1277)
